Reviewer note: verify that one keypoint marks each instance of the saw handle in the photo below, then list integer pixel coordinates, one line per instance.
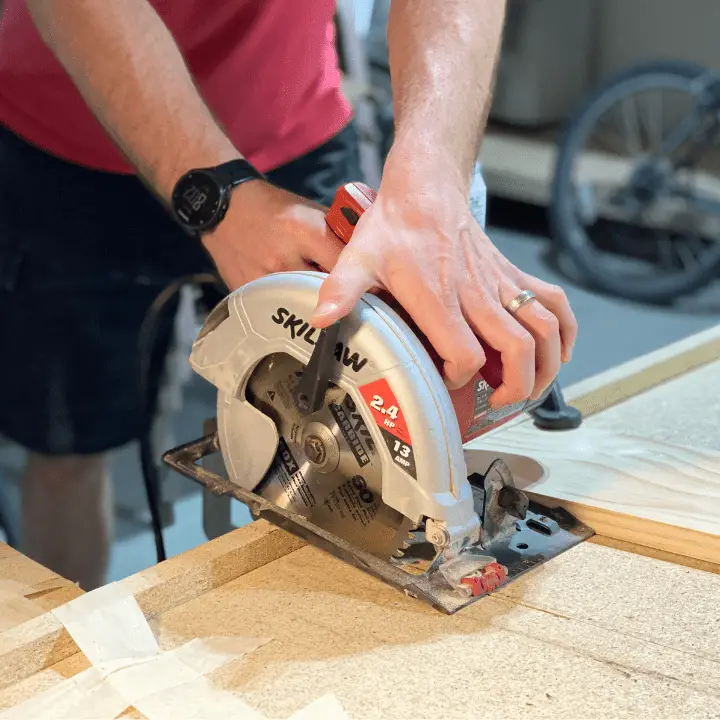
(350, 202)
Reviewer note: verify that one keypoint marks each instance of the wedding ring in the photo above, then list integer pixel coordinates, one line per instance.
(517, 302)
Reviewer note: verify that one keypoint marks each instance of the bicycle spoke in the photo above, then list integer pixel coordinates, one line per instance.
(631, 121)
(655, 120)
(699, 247)
(681, 134)
(685, 255)
(665, 251)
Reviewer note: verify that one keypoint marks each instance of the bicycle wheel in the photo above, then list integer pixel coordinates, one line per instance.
(623, 208)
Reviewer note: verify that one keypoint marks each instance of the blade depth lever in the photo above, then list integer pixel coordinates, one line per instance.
(310, 390)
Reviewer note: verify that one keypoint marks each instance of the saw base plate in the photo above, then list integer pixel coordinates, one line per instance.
(542, 535)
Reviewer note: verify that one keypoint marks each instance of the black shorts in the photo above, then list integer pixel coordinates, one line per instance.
(83, 254)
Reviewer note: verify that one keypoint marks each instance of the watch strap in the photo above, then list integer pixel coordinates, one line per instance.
(235, 172)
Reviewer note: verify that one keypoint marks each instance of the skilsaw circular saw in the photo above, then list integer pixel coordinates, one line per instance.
(349, 438)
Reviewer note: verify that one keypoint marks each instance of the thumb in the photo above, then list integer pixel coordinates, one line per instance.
(340, 292)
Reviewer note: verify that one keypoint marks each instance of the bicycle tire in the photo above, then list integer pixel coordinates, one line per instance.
(569, 234)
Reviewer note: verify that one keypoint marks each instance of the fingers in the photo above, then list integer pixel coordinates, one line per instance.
(444, 325)
(340, 291)
(554, 299)
(514, 343)
(324, 250)
(544, 327)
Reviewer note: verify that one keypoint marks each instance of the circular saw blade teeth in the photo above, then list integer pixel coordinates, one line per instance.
(343, 497)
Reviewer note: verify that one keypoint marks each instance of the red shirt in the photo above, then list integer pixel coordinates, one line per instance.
(267, 69)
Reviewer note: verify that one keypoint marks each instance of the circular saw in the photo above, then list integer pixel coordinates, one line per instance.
(349, 438)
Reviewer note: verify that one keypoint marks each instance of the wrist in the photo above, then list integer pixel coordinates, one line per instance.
(418, 160)
(166, 176)
(201, 197)
(243, 199)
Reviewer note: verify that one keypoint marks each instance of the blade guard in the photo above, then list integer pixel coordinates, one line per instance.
(267, 316)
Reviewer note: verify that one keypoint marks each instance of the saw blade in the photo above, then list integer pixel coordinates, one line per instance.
(327, 467)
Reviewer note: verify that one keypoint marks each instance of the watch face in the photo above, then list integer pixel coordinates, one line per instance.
(198, 199)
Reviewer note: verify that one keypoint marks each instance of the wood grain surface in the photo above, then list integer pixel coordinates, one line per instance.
(625, 487)
(644, 472)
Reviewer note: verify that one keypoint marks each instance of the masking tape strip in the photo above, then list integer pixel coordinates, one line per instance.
(327, 707)
(129, 668)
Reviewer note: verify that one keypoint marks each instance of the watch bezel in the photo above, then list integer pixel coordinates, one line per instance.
(217, 212)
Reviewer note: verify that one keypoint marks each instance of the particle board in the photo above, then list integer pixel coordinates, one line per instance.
(28, 590)
(26, 578)
(41, 642)
(628, 380)
(596, 633)
(28, 638)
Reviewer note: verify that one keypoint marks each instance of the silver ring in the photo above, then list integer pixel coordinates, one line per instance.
(518, 301)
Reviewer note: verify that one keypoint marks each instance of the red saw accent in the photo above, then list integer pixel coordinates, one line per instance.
(488, 579)
(351, 201)
(385, 409)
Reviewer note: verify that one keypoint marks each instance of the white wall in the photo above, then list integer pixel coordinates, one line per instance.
(634, 31)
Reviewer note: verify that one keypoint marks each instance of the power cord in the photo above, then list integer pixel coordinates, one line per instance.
(147, 345)
(7, 529)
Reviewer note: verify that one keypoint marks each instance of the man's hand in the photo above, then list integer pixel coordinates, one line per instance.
(268, 230)
(420, 243)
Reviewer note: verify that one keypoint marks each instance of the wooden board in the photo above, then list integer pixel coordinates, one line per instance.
(626, 473)
(625, 487)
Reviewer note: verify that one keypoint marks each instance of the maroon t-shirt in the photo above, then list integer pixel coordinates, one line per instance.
(267, 69)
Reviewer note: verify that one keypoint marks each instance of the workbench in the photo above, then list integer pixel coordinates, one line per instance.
(624, 625)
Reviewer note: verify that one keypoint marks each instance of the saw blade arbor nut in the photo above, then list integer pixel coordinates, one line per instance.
(436, 534)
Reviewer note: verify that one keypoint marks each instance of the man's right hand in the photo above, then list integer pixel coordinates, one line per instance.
(269, 230)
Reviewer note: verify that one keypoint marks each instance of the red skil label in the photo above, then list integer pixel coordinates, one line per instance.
(388, 416)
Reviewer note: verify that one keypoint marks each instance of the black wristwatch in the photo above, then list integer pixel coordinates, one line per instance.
(201, 197)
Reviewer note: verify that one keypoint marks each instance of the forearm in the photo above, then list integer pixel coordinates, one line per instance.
(442, 64)
(127, 67)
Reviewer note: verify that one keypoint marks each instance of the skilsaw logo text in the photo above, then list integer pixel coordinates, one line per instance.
(301, 329)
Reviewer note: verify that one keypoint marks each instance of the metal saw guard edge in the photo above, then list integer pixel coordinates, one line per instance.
(238, 335)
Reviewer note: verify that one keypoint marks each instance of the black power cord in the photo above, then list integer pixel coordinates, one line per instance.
(147, 345)
(7, 528)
